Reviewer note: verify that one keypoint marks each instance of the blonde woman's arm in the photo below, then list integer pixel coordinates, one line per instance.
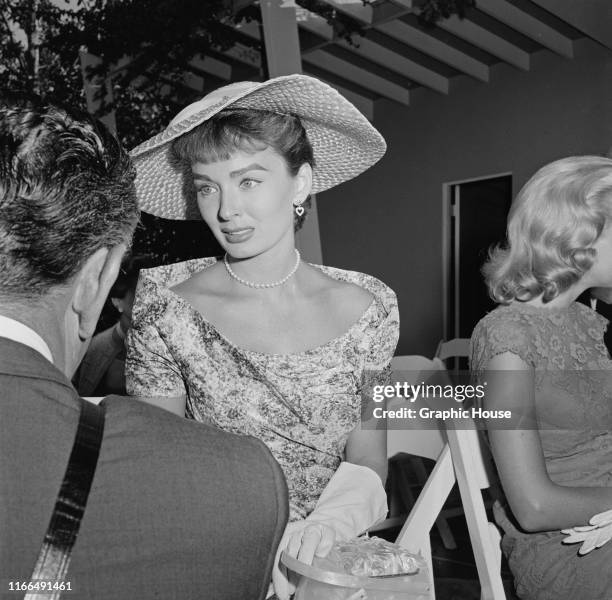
(537, 502)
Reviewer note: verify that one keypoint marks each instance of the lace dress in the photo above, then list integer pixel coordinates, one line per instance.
(302, 406)
(573, 397)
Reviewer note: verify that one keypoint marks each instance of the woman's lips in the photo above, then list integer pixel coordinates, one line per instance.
(235, 236)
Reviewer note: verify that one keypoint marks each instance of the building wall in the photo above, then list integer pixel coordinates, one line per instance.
(387, 222)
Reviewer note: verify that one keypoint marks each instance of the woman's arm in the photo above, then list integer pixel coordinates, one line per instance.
(173, 404)
(537, 502)
(368, 448)
(151, 373)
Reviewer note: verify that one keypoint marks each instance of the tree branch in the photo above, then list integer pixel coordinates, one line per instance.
(10, 31)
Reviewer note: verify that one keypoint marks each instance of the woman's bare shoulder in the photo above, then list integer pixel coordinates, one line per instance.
(340, 293)
(208, 282)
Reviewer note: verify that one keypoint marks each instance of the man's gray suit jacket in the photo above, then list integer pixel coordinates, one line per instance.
(177, 509)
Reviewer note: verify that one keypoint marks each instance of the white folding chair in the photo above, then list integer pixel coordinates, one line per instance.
(459, 456)
(472, 470)
(459, 347)
(427, 443)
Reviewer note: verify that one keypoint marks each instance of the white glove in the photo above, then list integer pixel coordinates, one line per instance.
(594, 535)
(353, 500)
(303, 540)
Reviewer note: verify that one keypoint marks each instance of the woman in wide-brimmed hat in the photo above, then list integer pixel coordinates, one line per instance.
(260, 342)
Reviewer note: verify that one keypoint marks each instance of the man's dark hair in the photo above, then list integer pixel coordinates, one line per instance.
(66, 190)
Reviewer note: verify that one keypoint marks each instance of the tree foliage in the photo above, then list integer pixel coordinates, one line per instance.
(40, 42)
(144, 46)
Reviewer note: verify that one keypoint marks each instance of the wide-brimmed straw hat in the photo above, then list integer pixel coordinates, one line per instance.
(344, 142)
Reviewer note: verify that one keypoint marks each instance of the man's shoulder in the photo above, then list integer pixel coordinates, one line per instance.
(20, 361)
(135, 421)
(176, 457)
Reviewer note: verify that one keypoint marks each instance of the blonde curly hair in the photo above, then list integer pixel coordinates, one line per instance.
(553, 223)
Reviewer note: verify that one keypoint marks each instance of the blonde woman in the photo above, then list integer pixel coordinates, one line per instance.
(542, 353)
(258, 341)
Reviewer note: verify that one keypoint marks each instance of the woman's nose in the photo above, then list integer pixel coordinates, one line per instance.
(229, 205)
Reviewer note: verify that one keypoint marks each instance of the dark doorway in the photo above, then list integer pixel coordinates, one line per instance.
(478, 210)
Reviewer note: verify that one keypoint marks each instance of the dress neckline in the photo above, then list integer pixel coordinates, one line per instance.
(209, 262)
(572, 309)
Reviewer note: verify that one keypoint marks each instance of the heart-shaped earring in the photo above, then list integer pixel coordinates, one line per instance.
(299, 210)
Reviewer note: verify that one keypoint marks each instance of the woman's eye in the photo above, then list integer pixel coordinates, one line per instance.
(249, 183)
(206, 190)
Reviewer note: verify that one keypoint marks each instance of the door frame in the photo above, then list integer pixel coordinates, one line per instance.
(446, 246)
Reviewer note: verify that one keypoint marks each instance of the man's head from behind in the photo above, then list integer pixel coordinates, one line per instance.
(67, 212)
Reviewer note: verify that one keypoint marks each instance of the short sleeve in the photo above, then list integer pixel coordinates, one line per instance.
(503, 331)
(150, 368)
(383, 341)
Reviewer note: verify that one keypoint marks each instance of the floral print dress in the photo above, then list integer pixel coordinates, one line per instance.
(302, 406)
(573, 399)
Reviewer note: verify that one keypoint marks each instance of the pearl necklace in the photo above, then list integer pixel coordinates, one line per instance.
(263, 285)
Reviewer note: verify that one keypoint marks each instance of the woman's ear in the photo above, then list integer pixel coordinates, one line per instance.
(303, 184)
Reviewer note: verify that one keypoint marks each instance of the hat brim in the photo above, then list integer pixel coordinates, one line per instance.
(344, 142)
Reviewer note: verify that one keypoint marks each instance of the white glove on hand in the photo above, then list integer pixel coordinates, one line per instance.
(594, 535)
(303, 540)
(353, 500)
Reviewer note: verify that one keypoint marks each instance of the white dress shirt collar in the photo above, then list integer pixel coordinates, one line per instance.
(18, 332)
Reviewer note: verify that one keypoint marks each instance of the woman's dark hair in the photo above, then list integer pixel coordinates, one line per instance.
(248, 130)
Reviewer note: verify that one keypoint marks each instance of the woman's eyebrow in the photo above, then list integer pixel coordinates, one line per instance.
(251, 167)
(233, 174)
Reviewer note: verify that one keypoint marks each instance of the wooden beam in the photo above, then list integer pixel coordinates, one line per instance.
(358, 75)
(281, 39)
(370, 14)
(318, 25)
(359, 11)
(282, 46)
(212, 66)
(193, 81)
(245, 54)
(593, 17)
(365, 105)
(407, 4)
(379, 54)
(527, 25)
(433, 47)
(398, 63)
(483, 38)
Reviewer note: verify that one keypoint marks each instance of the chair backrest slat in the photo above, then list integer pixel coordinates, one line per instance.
(472, 478)
(455, 347)
(457, 449)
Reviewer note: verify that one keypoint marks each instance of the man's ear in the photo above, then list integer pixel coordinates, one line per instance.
(303, 183)
(93, 285)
